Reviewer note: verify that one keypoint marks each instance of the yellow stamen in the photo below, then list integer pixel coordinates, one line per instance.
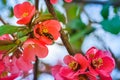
(45, 30)
(24, 14)
(97, 63)
(73, 65)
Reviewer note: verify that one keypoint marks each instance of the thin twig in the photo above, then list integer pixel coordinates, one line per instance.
(64, 37)
(37, 4)
(36, 61)
(2, 20)
(36, 68)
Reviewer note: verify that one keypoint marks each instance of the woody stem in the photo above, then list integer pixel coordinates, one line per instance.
(36, 61)
(64, 37)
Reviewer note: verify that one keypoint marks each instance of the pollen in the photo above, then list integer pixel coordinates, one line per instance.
(83, 77)
(24, 14)
(45, 30)
(97, 62)
(74, 65)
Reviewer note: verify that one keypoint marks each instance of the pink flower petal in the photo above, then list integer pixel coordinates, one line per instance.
(68, 1)
(68, 59)
(28, 54)
(82, 61)
(23, 65)
(53, 1)
(66, 72)
(108, 64)
(24, 12)
(91, 53)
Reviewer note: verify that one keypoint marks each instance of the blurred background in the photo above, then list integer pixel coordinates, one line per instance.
(87, 22)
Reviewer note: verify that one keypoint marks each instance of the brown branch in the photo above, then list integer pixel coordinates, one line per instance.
(36, 68)
(115, 3)
(37, 4)
(63, 35)
(36, 61)
(2, 20)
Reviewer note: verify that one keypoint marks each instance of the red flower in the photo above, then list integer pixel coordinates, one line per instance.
(101, 62)
(47, 31)
(2, 66)
(55, 1)
(32, 48)
(85, 76)
(5, 37)
(23, 65)
(75, 65)
(24, 12)
(11, 77)
(55, 72)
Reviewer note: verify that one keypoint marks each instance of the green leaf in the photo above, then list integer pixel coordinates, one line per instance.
(7, 47)
(105, 11)
(43, 17)
(23, 33)
(80, 34)
(23, 38)
(116, 10)
(60, 16)
(112, 25)
(76, 24)
(4, 2)
(72, 11)
(8, 29)
(11, 14)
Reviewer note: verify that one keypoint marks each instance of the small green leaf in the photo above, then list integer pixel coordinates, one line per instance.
(43, 17)
(72, 11)
(7, 47)
(60, 16)
(80, 34)
(4, 2)
(11, 14)
(22, 33)
(8, 29)
(105, 11)
(23, 38)
(76, 24)
(112, 25)
(116, 10)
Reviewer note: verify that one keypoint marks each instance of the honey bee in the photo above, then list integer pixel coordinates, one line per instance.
(48, 35)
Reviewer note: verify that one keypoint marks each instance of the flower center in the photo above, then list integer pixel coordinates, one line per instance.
(44, 32)
(4, 74)
(74, 65)
(24, 14)
(91, 55)
(83, 77)
(97, 62)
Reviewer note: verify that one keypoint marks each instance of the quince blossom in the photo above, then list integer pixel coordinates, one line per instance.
(101, 62)
(74, 65)
(47, 31)
(32, 48)
(24, 12)
(55, 1)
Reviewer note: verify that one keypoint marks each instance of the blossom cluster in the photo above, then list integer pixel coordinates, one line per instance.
(55, 1)
(43, 33)
(95, 65)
